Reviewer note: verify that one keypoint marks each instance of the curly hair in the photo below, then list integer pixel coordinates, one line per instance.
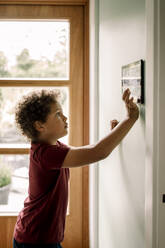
(34, 107)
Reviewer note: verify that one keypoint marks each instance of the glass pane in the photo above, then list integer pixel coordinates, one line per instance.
(34, 49)
(12, 195)
(10, 136)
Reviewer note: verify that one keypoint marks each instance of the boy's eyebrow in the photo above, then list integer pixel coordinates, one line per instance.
(57, 110)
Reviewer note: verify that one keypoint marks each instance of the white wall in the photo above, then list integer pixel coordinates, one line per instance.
(122, 174)
(161, 217)
(160, 68)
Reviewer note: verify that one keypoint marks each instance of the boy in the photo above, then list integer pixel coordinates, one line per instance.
(41, 222)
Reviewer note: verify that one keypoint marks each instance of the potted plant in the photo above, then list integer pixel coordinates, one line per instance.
(5, 183)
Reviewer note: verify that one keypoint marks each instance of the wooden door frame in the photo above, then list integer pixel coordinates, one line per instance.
(85, 169)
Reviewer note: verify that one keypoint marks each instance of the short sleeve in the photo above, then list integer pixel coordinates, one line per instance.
(52, 156)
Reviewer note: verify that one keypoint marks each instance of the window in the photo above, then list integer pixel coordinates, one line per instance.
(29, 50)
(34, 49)
(74, 82)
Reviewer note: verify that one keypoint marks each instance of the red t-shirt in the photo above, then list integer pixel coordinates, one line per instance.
(42, 220)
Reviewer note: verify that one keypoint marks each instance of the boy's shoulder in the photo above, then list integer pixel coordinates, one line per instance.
(50, 156)
(40, 144)
(40, 147)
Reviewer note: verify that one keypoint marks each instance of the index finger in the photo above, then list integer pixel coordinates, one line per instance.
(125, 93)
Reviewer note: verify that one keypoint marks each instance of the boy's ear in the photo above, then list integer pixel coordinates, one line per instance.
(39, 126)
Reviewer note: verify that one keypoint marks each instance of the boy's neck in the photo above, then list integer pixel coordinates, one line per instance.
(44, 141)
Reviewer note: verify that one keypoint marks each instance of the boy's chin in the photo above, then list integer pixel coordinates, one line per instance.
(66, 131)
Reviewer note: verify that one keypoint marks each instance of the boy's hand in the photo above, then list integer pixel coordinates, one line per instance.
(113, 123)
(132, 108)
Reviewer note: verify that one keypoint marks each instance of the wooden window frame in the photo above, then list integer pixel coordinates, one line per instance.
(7, 83)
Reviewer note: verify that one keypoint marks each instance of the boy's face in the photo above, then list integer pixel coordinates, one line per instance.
(56, 126)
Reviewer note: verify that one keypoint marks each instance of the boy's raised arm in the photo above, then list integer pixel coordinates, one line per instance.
(84, 155)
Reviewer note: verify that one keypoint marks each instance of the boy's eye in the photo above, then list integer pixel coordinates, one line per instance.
(58, 113)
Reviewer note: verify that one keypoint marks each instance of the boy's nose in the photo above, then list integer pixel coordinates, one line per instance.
(65, 117)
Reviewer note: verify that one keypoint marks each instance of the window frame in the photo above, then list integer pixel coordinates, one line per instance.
(85, 121)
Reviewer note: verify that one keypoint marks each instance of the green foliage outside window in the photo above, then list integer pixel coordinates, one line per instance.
(5, 176)
(28, 67)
